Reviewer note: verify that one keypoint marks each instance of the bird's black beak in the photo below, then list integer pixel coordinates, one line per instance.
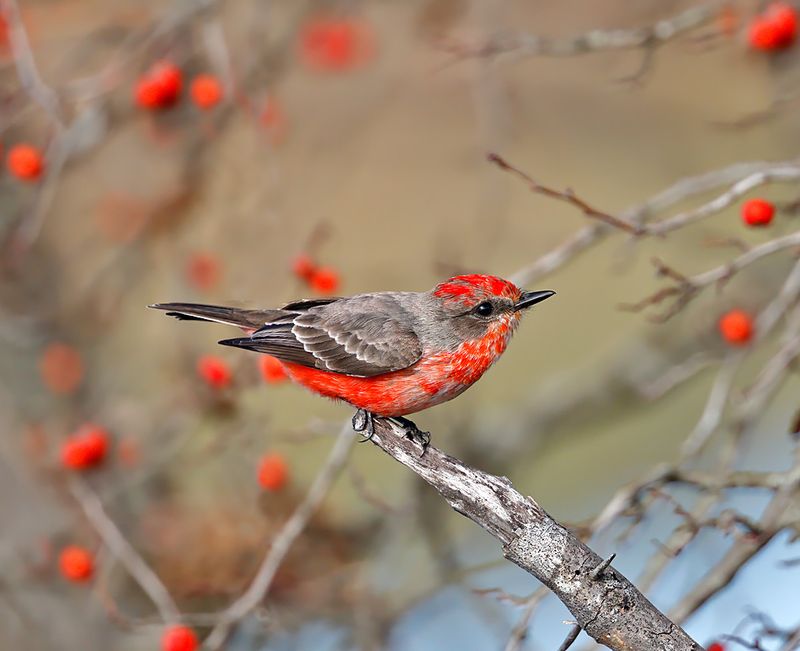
(532, 298)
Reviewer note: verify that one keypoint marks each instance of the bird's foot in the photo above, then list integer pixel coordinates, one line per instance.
(413, 432)
(364, 421)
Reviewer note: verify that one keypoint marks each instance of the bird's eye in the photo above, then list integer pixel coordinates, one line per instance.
(484, 309)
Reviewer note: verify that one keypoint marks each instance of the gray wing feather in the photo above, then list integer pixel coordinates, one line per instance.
(361, 336)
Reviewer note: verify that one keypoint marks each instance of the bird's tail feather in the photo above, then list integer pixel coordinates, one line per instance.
(246, 319)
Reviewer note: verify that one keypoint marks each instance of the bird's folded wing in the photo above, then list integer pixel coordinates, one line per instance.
(364, 336)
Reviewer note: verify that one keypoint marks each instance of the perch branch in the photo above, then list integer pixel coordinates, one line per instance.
(604, 603)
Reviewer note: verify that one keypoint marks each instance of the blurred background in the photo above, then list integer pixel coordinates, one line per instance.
(253, 152)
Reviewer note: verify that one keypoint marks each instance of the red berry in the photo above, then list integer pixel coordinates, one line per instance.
(203, 270)
(728, 20)
(757, 212)
(25, 162)
(715, 646)
(736, 327)
(61, 368)
(85, 448)
(170, 77)
(763, 34)
(75, 455)
(784, 17)
(214, 371)
(160, 86)
(76, 564)
(96, 441)
(128, 452)
(179, 638)
(148, 93)
(273, 472)
(272, 370)
(303, 267)
(334, 45)
(273, 120)
(774, 29)
(325, 281)
(206, 91)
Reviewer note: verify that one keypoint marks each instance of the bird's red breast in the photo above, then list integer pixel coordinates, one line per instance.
(434, 379)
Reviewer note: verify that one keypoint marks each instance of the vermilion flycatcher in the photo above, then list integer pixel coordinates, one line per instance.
(388, 354)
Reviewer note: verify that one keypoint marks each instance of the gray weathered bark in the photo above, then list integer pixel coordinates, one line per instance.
(605, 604)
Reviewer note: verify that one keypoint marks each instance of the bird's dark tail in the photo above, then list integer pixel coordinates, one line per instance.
(246, 319)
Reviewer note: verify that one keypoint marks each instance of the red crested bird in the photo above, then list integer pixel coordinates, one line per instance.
(389, 354)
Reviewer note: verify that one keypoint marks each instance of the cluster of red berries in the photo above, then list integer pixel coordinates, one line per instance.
(25, 162)
(77, 565)
(715, 646)
(217, 373)
(273, 471)
(86, 448)
(323, 280)
(773, 29)
(161, 85)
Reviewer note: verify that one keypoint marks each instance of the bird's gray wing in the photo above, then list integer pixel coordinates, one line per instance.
(361, 336)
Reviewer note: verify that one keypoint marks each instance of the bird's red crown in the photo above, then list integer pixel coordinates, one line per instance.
(473, 286)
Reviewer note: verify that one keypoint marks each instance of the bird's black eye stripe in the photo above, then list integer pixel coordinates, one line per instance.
(484, 309)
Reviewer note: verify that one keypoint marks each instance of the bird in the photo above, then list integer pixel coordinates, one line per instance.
(388, 354)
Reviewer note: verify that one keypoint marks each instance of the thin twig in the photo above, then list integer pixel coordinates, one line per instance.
(573, 634)
(120, 547)
(567, 196)
(522, 44)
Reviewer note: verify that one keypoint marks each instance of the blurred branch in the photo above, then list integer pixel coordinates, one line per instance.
(715, 404)
(573, 634)
(520, 630)
(120, 547)
(597, 40)
(28, 73)
(283, 542)
(605, 604)
(770, 523)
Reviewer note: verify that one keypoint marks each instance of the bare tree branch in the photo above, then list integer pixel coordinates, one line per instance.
(604, 603)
